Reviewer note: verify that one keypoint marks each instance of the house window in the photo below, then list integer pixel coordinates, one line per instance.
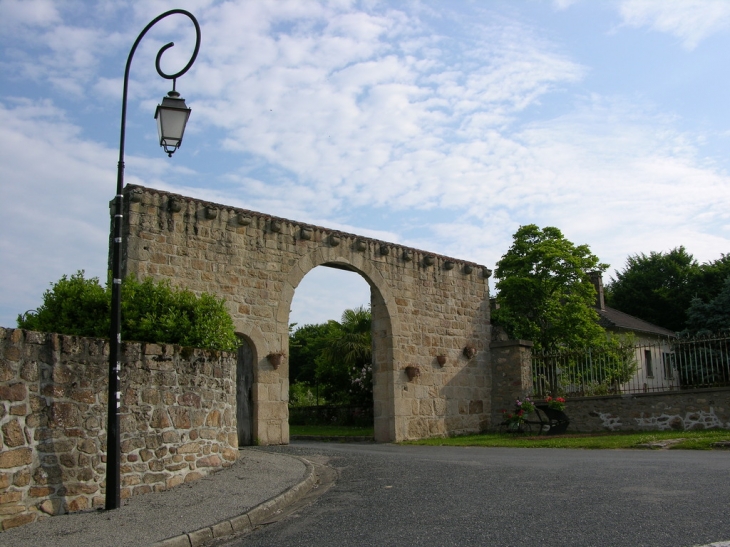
(647, 360)
(668, 361)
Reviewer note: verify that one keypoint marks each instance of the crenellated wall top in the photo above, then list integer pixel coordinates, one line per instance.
(301, 230)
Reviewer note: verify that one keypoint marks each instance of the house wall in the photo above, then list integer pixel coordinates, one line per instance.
(664, 376)
(177, 420)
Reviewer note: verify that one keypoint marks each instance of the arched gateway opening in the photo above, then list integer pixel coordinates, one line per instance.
(330, 354)
(382, 354)
(430, 313)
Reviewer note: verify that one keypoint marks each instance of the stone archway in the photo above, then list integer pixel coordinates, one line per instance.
(430, 312)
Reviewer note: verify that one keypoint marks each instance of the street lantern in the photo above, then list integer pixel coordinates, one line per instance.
(172, 116)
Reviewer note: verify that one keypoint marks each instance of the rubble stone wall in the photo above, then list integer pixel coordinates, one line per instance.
(424, 306)
(678, 410)
(177, 420)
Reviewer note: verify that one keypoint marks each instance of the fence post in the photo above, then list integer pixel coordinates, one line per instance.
(511, 375)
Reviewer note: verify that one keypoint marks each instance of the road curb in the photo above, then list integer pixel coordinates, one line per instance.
(249, 520)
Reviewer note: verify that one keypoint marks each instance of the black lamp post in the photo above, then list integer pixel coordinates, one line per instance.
(171, 115)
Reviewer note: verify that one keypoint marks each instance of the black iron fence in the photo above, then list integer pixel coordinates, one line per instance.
(331, 415)
(648, 366)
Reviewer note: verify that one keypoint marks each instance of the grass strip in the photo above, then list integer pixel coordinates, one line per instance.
(691, 440)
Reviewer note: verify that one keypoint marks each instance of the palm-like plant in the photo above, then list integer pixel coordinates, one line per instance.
(347, 357)
(351, 341)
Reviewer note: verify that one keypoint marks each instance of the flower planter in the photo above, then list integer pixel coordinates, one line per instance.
(441, 360)
(412, 372)
(275, 359)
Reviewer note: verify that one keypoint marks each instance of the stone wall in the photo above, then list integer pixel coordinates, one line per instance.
(678, 410)
(424, 306)
(511, 375)
(177, 420)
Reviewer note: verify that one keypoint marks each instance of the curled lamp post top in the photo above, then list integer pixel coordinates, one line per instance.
(163, 74)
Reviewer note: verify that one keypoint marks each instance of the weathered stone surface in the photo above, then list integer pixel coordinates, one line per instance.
(149, 478)
(64, 415)
(20, 520)
(22, 478)
(160, 419)
(189, 448)
(189, 399)
(209, 461)
(41, 491)
(79, 503)
(15, 458)
(9, 497)
(13, 392)
(13, 434)
(180, 418)
(193, 476)
(51, 507)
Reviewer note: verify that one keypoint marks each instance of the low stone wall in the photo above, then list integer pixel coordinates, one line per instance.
(678, 410)
(177, 420)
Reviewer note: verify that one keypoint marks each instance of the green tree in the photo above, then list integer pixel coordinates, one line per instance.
(306, 344)
(710, 317)
(659, 287)
(333, 359)
(151, 312)
(545, 293)
(711, 279)
(345, 365)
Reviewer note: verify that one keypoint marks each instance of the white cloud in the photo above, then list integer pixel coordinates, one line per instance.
(689, 20)
(32, 13)
(53, 212)
(349, 116)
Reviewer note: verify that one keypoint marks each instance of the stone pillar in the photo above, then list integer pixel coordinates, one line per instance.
(511, 375)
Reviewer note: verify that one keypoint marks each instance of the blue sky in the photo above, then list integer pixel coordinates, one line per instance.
(438, 125)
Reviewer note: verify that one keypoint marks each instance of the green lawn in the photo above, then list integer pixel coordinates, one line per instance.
(690, 440)
(330, 431)
(694, 440)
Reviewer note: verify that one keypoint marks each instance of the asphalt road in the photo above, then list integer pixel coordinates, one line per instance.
(439, 496)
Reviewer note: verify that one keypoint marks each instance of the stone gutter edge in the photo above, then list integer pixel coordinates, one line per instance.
(249, 520)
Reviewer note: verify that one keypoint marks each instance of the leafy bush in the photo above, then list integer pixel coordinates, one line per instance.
(151, 312)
